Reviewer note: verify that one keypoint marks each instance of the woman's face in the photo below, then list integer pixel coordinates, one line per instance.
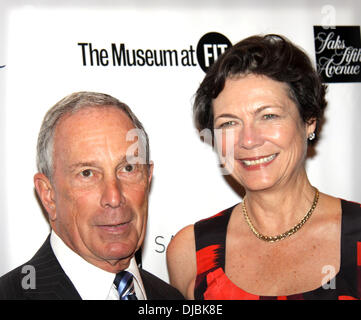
(265, 136)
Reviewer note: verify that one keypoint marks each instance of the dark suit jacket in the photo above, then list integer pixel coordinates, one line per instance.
(53, 284)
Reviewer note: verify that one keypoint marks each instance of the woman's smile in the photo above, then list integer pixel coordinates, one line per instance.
(255, 163)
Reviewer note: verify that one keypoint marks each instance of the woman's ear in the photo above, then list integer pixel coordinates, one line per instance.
(45, 192)
(311, 126)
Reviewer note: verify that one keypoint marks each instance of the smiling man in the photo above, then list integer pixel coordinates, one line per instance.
(93, 181)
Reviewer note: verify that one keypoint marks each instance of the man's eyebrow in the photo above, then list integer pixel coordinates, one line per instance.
(123, 161)
(83, 164)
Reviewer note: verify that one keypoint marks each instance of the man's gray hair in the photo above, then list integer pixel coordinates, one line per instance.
(70, 105)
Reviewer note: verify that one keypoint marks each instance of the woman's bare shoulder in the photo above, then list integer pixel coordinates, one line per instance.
(181, 260)
(182, 244)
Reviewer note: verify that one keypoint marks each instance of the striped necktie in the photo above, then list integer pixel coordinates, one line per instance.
(125, 285)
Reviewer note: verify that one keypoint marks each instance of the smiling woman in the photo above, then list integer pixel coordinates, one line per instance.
(267, 129)
(263, 98)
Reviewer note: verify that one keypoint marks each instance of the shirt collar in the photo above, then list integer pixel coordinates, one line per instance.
(91, 282)
(138, 283)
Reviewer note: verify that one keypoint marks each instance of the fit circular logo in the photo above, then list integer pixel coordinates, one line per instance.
(210, 47)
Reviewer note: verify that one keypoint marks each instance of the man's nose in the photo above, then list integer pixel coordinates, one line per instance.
(112, 195)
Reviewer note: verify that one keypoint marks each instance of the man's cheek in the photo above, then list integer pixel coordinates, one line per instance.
(136, 193)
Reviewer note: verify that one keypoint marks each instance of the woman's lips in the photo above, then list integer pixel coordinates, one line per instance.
(257, 162)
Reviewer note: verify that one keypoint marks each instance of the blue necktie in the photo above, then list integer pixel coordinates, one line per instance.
(125, 286)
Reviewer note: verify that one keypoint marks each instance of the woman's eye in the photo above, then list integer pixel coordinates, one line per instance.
(86, 173)
(269, 116)
(227, 124)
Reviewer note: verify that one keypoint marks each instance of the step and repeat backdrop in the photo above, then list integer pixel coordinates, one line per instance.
(152, 56)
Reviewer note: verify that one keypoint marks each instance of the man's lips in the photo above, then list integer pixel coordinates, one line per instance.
(114, 227)
(253, 163)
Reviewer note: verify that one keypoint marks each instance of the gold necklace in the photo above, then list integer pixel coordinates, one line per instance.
(285, 234)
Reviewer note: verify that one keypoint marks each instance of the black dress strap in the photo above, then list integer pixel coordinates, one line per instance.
(350, 246)
(211, 234)
(348, 279)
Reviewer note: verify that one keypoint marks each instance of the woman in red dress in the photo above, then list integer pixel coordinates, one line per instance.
(285, 240)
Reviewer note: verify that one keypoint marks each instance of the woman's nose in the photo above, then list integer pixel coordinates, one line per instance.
(250, 137)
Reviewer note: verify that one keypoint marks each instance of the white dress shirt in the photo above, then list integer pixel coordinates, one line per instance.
(91, 282)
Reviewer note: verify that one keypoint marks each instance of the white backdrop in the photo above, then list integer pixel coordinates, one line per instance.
(43, 63)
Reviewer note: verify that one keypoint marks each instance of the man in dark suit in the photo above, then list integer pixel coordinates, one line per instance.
(93, 181)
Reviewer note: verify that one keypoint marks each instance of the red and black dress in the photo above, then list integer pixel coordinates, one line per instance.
(213, 284)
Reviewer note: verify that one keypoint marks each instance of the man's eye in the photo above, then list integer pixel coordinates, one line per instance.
(86, 173)
(129, 168)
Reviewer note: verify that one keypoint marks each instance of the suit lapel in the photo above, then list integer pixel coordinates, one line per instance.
(147, 283)
(51, 281)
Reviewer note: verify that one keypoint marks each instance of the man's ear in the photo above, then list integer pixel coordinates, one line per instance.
(150, 171)
(45, 192)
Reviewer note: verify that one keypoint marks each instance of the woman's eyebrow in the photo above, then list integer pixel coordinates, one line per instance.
(226, 115)
(260, 109)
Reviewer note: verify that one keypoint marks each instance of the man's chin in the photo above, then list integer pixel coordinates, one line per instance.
(115, 254)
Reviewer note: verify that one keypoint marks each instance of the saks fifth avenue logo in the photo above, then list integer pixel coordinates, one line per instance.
(208, 49)
(338, 53)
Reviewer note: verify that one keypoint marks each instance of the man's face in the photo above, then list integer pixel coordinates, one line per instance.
(101, 200)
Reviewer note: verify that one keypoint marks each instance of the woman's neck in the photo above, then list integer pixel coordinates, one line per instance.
(275, 210)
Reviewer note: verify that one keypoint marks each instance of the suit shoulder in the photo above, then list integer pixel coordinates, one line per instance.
(10, 284)
(41, 278)
(157, 289)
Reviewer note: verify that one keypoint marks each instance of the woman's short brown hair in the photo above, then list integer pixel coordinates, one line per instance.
(273, 56)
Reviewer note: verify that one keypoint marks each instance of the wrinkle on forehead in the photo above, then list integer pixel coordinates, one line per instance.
(251, 92)
(92, 133)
